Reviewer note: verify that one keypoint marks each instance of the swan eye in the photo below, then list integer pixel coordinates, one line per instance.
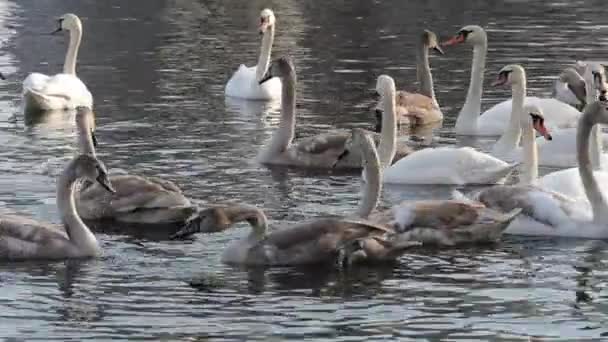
(537, 118)
(464, 33)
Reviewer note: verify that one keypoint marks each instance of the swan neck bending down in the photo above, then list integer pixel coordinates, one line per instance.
(372, 186)
(598, 203)
(76, 230)
(423, 72)
(467, 119)
(265, 51)
(85, 126)
(388, 137)
(69, 66)
(512, 135)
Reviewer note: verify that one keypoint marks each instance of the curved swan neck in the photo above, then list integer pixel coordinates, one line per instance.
(598, 204)
(265, 51)
(256, 218)
(467, 118)
(69, 66)
(509, 140)
(530, 157)
(287, 126)
(388, 133)
(372, 186)
(77, 231)
(423, 73)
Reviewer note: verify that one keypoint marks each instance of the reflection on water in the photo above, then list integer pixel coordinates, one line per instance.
(157, 70)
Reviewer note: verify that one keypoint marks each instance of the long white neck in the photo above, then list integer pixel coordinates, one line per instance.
(595, 139)
(78, 232)
(509, 140)
(598, 204)
(265, 51)
(423, 73)
(388, 132)
(467, 118)
(284, 135)
(372, 186)
(69, 66)
(529, 172)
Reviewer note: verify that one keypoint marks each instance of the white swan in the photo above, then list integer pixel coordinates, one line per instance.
(245, 81)
(318, 241)
(495, 120)
(561, 151)
(463, 165)
(321, 151)
(137, 200)
(552, 214)
(22, 238)
(61, 91)
(421, 108)
(570, 85)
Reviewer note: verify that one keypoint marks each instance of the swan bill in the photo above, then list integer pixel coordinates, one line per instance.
(502, 79)
(265, 78)
(104, 181)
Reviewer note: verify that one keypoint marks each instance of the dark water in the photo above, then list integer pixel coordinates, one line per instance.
(157, 71)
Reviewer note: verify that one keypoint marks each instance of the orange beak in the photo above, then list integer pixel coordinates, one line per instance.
(540, 127)
(458, 39)
(263, 25)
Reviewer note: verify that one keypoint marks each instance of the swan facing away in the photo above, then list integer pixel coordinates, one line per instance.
(495, 120)
(245, 81)
(136, 200)
(323, 240)
(321, 151)
(61, 91)
(22, 238)
(552, 214)
(420, 108)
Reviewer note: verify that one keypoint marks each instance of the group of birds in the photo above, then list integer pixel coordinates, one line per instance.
(564, 203)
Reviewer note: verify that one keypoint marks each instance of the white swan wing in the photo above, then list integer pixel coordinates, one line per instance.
(568, 182)
(244, 84)
(35, 81)
(71, 87)
(447, 165)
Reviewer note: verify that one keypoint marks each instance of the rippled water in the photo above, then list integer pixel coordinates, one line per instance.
(157, 71)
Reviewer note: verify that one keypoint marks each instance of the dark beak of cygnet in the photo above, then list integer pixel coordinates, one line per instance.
(265, 78)
(340, 157)
(603, 96)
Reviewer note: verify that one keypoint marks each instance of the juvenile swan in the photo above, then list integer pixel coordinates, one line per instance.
(435, 222)
(419, 108)
(24, 238)
(61, 91)
(322, 150)
(244, 83)
(318, 241)
(137, 200)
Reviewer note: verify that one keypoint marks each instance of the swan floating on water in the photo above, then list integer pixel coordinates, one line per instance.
(22, 238)
(61, 91)
(495, 120)
(245, 81)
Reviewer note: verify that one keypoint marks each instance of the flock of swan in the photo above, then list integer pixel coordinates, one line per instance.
(569, 202)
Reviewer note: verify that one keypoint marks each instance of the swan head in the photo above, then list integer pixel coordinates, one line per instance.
(281, 67)
(86, 118)
(359, 139)
(510, 74)
(385, 86)
(575, 82)
(470, 34)
(90, 168)
(68, 22)
(267, 20)
(535, 118)
(429, 39)
(594, 72)
(221, 218)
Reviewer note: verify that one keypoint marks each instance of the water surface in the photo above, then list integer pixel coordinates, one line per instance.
(157, 71)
